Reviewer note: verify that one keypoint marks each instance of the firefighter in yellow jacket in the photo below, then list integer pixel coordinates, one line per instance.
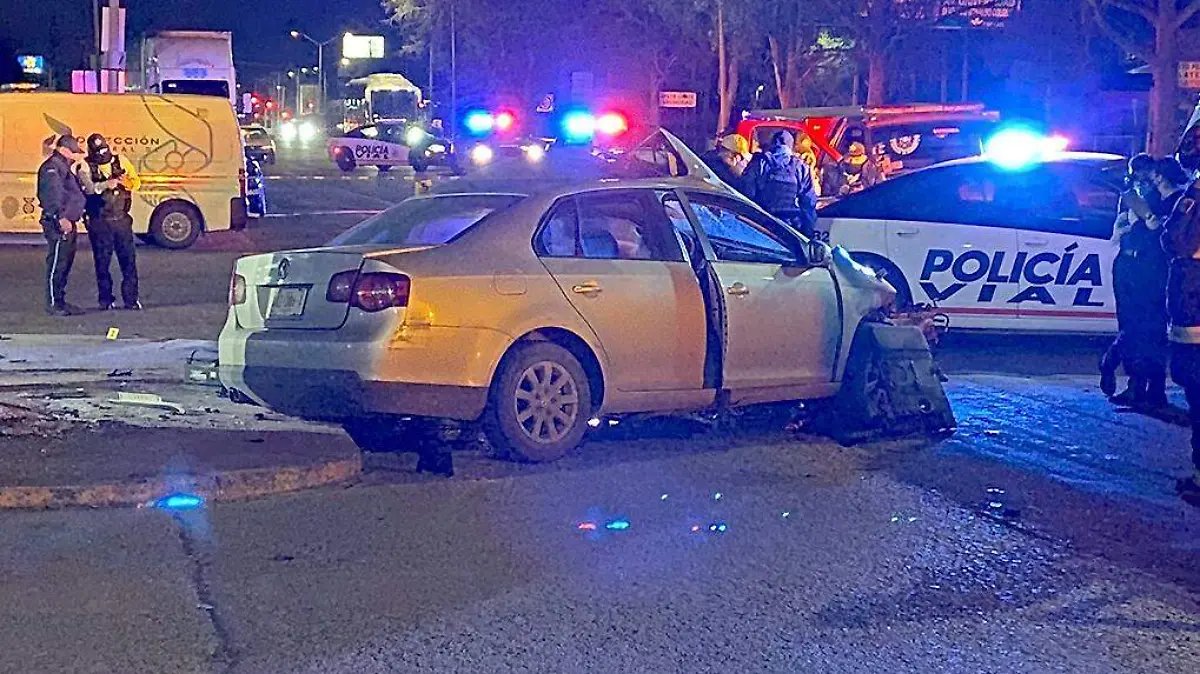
(109, 181)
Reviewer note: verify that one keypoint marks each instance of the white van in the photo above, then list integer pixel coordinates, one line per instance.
(187, 149)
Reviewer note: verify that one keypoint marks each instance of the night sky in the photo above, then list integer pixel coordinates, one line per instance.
(61, 29)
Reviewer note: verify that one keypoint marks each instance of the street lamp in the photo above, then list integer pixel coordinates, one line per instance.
(298, 35)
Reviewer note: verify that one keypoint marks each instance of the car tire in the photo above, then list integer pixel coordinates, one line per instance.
(379, 434)
(418, 165)
(175, 225)
(539, 404)
(890, 273)
(345, 161)
(384, 169)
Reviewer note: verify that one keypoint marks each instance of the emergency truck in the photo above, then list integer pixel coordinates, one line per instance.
(901, 138)
(995, 245)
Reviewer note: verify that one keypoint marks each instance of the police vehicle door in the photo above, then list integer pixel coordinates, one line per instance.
(1065, 247)
(954, 247)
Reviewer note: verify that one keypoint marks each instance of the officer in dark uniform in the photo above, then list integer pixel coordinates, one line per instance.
(1181, 240)
(782, 184)
(63, 202)
(109, 182)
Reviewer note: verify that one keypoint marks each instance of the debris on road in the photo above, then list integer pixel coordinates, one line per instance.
(22, 421)
(147, 400)
(120, 373)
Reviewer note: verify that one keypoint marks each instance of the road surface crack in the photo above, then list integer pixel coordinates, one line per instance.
(224, 655)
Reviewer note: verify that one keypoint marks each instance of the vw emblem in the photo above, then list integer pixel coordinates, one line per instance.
(281, 272)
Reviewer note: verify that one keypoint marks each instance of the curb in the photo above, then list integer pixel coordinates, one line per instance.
(233, 485)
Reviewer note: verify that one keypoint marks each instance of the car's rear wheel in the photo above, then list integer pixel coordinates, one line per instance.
(175, 225)
(345, 161)
(539, 404)
(418, 164)
(890, 273)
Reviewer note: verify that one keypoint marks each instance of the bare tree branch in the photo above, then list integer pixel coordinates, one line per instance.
(1187, 13)
(1147, 12)
(1122, 40)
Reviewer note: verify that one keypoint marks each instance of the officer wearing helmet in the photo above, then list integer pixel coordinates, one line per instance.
(1181, 241)
(782, 184)
(854, 173)
(109, 182)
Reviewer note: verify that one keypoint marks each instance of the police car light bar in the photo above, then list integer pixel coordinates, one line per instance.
(1017, 148)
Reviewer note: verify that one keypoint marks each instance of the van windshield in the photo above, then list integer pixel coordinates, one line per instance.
(425, 221)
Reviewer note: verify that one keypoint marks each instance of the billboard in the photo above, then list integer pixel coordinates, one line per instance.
(32, 65)
(362, 46)
(976, 13)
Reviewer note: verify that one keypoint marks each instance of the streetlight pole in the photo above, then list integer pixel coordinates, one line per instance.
(453, 72)
(298, 35)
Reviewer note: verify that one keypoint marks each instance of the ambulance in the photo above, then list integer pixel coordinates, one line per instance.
(995, 245)
(187, 149)
(902, 138)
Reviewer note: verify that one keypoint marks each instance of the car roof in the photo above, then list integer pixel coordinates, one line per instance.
(1057, 158)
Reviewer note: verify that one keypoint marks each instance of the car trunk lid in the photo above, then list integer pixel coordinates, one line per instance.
(287, 290)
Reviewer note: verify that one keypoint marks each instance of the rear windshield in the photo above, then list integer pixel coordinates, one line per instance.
(425, 221)
(923, 144)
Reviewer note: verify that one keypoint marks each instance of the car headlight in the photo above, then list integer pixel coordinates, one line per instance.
(287, 132)
(534, 153)
(437, 148)
(482, 154)
(415, 135)
(307, 131)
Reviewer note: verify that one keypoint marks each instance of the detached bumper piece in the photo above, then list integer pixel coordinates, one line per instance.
(891, 389)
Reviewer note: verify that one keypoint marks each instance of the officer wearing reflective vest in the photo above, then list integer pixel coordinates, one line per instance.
(1181, 240)
(109, 182)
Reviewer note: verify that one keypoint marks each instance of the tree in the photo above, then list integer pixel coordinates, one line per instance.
(1150, 30)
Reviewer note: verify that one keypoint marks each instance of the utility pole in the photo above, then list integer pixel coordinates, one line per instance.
(453, 72)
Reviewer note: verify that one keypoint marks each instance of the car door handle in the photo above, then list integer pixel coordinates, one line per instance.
(907, 232)
(588, 288)
(1039, 243)
(738, 289)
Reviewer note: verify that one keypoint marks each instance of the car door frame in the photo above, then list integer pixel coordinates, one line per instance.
(619, 395)
(809, 387)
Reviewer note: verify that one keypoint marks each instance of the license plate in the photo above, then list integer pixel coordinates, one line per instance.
(287, 302)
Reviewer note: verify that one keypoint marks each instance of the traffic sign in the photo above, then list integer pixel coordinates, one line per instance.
(1189, 74)
(676, 99)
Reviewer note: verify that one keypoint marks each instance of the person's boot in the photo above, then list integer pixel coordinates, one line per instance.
(1133, 395)
(1188, 488)
(1156, 393)
(1108, 374)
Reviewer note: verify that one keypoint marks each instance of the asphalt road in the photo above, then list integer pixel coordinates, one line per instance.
(1043, 537)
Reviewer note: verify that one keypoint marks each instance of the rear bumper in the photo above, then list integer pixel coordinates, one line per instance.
(334, 395)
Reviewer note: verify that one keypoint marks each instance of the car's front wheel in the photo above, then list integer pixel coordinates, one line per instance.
(345, 160)
(539, 405)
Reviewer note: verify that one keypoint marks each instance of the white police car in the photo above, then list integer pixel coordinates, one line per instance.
(388, 144)
(993, 245)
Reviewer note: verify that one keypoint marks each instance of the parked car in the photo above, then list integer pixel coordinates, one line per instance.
(995, 247)
(260, 146)
(537, 311)
(385, 145)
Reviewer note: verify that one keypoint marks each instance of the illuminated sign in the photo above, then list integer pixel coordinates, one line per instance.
(32, 65)
(362, 46)
(976, 13)
(676, 99)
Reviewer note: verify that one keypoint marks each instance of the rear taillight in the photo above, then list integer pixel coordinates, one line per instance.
(237, 290)
(341, 286)
(377, 291)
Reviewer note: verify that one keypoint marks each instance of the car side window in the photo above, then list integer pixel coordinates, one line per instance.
(736, 236)
(619, 225)
(560, 231)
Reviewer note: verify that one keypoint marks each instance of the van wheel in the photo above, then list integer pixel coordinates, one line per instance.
(345, 161)
(418, 164)
(890, 273)
(539, 404)
(175, 225)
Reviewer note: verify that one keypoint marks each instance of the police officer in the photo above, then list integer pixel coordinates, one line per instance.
(109, 182)
(1140, 283)
(728, 159)
(782, 184)
(854, 173)
(62, 200)
(1181, 240)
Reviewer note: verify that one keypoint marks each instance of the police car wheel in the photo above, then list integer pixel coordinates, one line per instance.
(345, 161)
(175, 225)
(418, 165)
(890, 273)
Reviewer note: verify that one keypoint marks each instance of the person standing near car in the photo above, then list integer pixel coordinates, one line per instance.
(109, 182)
(1140, 283)
(854, 173)
(1181, 241)
(782, 184)
(728, 159)
(62, 200)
